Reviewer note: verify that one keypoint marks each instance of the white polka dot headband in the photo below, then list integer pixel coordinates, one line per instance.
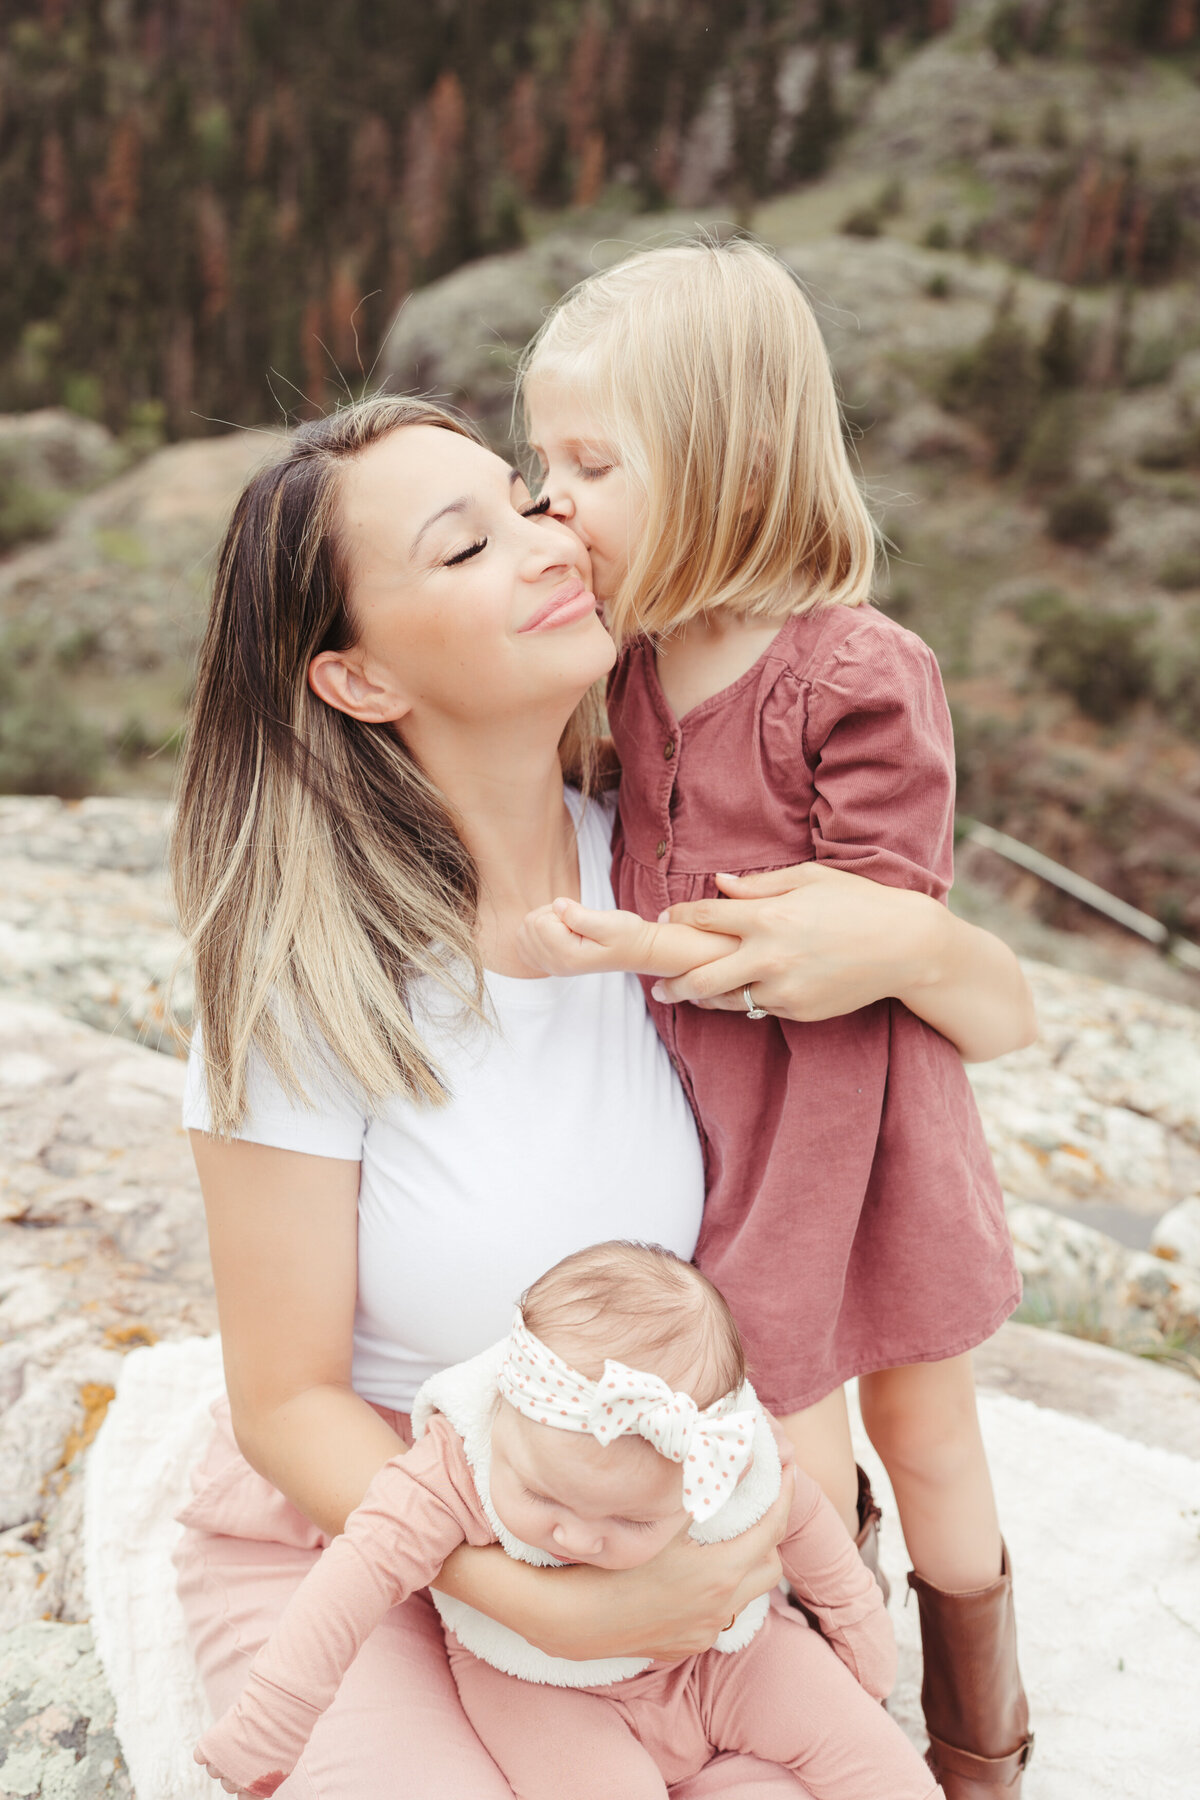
(714, 1446)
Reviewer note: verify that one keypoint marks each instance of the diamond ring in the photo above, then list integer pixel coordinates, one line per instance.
(752, 1011)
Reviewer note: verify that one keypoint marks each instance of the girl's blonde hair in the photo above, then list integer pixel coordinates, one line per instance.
(316, 867)
(705, 365)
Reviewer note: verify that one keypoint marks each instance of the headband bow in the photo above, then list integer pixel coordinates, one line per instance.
(714, 1446)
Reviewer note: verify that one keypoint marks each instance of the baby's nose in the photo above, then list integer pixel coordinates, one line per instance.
(577, 1541)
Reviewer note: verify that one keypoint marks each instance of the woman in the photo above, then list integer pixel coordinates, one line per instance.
(397, 666)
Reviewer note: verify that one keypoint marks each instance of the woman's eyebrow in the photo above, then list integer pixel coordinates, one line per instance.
(456, 506)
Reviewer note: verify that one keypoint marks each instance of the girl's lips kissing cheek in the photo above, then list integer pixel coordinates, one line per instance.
(570, 602)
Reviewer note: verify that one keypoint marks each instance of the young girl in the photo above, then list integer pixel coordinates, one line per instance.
(552, 1444)
(765, 714)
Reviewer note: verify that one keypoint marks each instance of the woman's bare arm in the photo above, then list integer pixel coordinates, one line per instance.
(818, 942)
(283, 1235)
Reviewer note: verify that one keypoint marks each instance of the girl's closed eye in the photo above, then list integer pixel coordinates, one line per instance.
(638, 1524)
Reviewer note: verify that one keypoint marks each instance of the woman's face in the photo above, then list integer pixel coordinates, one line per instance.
(583, 478)
(471, 604)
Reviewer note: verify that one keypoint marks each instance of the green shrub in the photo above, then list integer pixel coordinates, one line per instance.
(45, 747)
(998, 383)
(863, 222)
(77, 647)
(1004, 31)
(27, 513)
(1080, 516)
(1181, 572)
(1048, 458)
(938, 236)
(939, 286)
(1101, 660)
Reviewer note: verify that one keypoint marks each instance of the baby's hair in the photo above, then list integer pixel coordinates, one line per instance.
(641, 1305)
(704, 367)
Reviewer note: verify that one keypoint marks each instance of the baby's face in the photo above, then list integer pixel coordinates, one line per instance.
(613, 1506)
(582, 474)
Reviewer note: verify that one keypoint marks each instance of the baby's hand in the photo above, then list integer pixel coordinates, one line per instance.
(566, 938)
(253, 1793)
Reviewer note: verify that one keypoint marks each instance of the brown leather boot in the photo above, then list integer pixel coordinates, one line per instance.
(867, 1541)
(975, 1707)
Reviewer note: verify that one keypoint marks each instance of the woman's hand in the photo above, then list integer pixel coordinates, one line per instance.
(818, 942)
(673, 1606)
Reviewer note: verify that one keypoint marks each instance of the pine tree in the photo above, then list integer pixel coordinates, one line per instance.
(817, 124)
(1058, 352)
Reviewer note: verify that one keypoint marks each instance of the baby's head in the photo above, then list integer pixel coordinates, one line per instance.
(611, 1503)
(683, 408)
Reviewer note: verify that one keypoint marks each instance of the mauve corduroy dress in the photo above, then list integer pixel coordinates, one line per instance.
(853, 1218)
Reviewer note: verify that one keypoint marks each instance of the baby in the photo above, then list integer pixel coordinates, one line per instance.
(615, 1416)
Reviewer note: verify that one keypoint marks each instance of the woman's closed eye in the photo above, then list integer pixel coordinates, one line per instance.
(535, 511)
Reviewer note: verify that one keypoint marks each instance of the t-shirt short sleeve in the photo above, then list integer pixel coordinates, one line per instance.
(333, 1123)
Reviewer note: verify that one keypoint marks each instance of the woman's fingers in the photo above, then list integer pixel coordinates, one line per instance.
(772, 881)
(716, 984)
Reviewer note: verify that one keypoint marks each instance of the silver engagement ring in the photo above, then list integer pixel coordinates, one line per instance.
(752, 1011)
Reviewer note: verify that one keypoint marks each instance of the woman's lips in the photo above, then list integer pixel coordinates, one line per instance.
(572, 602)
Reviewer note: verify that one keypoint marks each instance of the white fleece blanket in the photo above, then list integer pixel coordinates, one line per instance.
(1104, 1536)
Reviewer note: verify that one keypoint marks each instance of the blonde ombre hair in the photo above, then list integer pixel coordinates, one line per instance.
(705, 364)
(316, 868)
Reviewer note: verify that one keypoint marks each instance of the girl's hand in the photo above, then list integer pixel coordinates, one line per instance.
(676, 1605)
(817, 942)
(566, 938)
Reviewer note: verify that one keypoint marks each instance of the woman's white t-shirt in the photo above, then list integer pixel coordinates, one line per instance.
(566, 1126)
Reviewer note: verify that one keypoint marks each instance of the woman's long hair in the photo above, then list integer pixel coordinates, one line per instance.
(316, 868)
(703, 363)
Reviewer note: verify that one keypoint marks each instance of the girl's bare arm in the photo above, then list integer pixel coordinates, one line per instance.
(566, 938)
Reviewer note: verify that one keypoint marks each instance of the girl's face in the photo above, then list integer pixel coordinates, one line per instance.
(583, 479)
(471, 604)
(612, 1506)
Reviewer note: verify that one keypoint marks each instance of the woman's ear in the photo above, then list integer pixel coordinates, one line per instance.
(339, 677)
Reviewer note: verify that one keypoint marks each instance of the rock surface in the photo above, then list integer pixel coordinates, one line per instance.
(1176, 1237)
(56, 1718)
(124, 581)
(102, 1247)
(102, 1240)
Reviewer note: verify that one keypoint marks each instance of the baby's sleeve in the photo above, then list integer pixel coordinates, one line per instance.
(420, 1506)
(826, 1572)
(879, 742)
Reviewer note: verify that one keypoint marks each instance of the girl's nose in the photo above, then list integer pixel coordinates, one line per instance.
(561, 505)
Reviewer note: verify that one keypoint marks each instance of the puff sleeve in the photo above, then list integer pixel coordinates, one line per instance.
(879, 743)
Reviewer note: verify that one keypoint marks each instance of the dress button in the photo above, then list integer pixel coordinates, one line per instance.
(661, 849)
(669, 749)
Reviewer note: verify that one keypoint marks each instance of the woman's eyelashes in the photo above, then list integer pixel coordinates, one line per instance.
(535, 511)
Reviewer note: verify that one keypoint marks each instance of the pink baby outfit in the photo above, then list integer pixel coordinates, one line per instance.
(853, 1219)
(787, 1697)
(397, 1727)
